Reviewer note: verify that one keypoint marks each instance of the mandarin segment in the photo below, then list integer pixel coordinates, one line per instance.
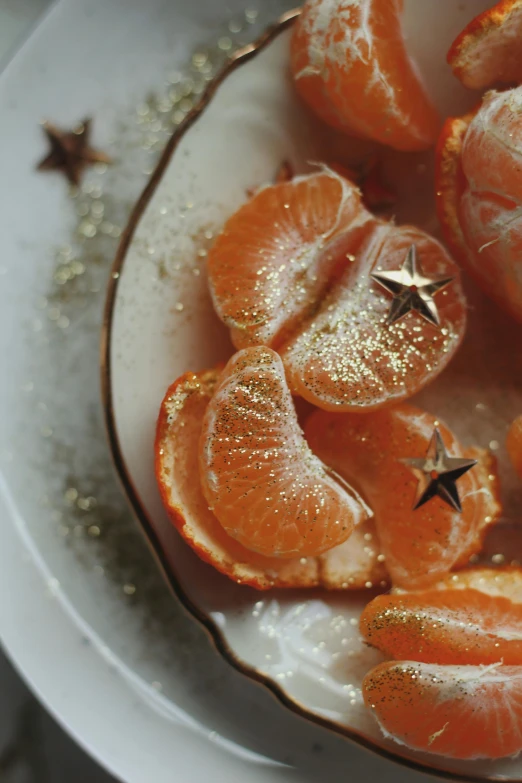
(260, 478)
(350, 64)
(463, 712)
(514, 444)
(445, 626)
(353, 565)
(419, 546)
(487, 52)
(275, 256)
(347, 356)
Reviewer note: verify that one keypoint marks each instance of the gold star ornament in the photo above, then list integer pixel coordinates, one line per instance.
(438, 473)
(70, 151)
(412, 290)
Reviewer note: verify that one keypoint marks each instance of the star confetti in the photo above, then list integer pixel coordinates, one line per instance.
(438, 473)
(70, 151)
(412, 290)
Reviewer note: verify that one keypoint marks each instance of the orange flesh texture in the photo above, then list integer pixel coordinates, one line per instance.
(449, 184)
(464, 712)
(352, 565)
(445, 626)
(304, 288)
(276, 254)
(420, 546)
(488, 52)
(505, 581)
(514, 444)
(347, 357)
(258, 474)
(349, 63)
(489, 198)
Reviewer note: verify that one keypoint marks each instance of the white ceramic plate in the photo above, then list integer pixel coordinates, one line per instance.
(304, 646)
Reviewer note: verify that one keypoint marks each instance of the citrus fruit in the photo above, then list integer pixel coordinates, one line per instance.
(355, 564)
(445, 626)
(505, 581)
(419, 546)
(464, 712)
(479, 193)
(487, 52)
(292, 270)
(350, 64)
(514, 444)
(258, 474)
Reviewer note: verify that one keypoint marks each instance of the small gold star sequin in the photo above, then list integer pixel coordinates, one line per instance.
(70, 151)
(438, 473)
(412, 290)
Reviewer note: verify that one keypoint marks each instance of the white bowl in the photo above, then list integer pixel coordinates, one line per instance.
(304, 646)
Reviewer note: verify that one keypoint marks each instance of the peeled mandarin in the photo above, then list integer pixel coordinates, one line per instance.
(292, 270)
(479, 194)
(352, 565)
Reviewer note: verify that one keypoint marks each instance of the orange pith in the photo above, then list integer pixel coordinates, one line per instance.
(505, 581)
(449, 183)
(352, 565)
(445, 626)
(487, 51)
(349, 63)
(419, 546)
(480, 193)
(514, 444)
(464, 712)
(292, 270)
(260, 478)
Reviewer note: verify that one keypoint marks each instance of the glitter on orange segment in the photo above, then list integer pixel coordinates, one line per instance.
(350, 64)
(259, 476)
(445, 626)
(514, 444)
(487, 51)
(292, 270)
(479, 194)
(352, 565)
(419, 546)
(463, 712)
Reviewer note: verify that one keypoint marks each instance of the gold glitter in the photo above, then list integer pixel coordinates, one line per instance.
(498, 559)
(93, 530)
(225, 43)
(129, 589)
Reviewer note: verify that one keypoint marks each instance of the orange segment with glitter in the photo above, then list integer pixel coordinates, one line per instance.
(463, 712)
(419, 546)
(487, 52)
(258, 474)
(350, 64)
(445, 626)
(479, 194)
(355, 564)
(292, 270)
